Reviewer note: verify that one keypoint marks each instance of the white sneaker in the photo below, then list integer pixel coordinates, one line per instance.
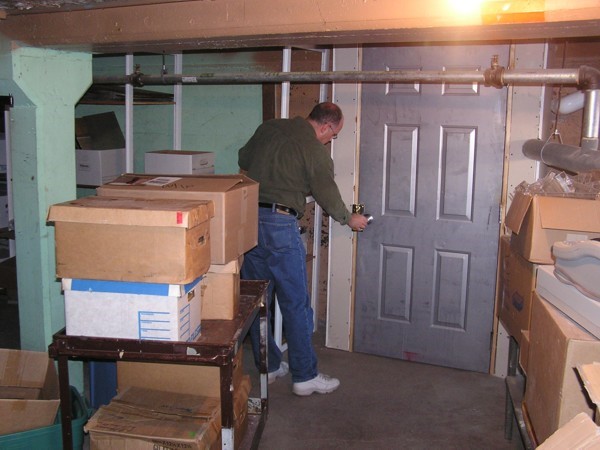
(321, 384)
(283, 370)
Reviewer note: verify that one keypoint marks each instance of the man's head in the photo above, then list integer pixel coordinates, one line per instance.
(327, 120)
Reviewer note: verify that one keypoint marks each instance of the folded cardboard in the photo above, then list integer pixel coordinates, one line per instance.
(136, 310)
(234, 227)
(580, 308)
(96, 167)
(538, 221)
(178, 378)
(578, 433)
(518, 284)
(221, 291)
(149, 419)
(554, 393)
(29, 396)
(179, 162)
(128, 239)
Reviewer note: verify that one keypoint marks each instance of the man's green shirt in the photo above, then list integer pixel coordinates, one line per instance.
(289, 163)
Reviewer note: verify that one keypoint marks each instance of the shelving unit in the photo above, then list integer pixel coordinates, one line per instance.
(217, 345)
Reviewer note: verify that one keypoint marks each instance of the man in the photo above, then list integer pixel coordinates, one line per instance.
(289, 159)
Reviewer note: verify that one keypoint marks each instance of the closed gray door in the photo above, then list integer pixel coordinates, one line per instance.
(431, 158)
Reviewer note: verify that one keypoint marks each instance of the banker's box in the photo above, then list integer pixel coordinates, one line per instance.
(29, 397)
(179, 162)
(554, 393)
(96, 167)
(234, 227)
(166, 312)
(538, 221)
(123, 239)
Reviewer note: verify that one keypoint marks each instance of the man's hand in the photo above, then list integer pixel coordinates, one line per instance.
(357, 222)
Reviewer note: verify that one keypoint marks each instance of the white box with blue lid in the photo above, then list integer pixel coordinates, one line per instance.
(132, 310)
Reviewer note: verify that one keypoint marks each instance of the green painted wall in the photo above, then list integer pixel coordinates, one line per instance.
(214, 118)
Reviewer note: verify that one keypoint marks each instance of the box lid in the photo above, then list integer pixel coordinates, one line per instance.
(517, 211)
(128, 287)
(192, 183)
(179, 152)
(133, 211)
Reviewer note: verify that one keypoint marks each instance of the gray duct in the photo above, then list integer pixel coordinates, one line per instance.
(566, 157)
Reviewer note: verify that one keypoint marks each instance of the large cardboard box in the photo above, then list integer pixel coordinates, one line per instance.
(518, 284)
(221, 291)
(179, 162)
(146, 419)
(124, 239)
(554, 393)
(29, 396)
(179, 378)
(134, 310)
(234, 227)
(578, 433)
(537, 222)
(96, 167)
(149, 419)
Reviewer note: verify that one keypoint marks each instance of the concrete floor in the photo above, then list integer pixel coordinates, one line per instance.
(382, 403)
(387, 404)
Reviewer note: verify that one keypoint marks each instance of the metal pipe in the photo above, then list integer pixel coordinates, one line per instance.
(497, 77)
(591, 119)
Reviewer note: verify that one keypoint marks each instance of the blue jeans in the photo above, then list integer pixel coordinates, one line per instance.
(280, 258)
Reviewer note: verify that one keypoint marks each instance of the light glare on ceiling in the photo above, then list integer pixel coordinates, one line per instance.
(465, 6)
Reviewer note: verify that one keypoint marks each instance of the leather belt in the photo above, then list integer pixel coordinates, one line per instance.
(276, 207)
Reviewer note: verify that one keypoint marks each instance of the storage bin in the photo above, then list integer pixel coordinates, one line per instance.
(50, 438)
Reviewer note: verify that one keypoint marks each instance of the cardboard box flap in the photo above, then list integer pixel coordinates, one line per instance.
(28, 369)
(132, 211)
(590, 374)
(517, 211)
(23, 415)
(573, 214)
(164, 402)
(578, 433)
(191, 183)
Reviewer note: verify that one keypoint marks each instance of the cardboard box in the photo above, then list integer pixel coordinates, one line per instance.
(178, 378)
(221, 291)
(578, 433)
(29, 396)
(234, 227)
(590, 375)
(518, 284)
(122, 239)
(145, 419)
(136, 310)
(537, 222)
(554, 394)
(96, 167)
(179, 162)
(580, 308)
(150, 419)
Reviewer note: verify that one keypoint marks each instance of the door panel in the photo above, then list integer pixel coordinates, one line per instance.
(431, 174)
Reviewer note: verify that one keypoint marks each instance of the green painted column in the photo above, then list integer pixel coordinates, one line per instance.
(45, 84)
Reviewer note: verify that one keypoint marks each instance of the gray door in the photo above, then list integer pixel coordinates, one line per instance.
(431, 175)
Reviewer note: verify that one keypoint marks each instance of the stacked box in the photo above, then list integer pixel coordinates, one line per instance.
(234, 227)
(138, 262)
(137, 310)
(221, 291)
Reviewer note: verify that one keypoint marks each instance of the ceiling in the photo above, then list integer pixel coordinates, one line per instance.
(170, 26)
